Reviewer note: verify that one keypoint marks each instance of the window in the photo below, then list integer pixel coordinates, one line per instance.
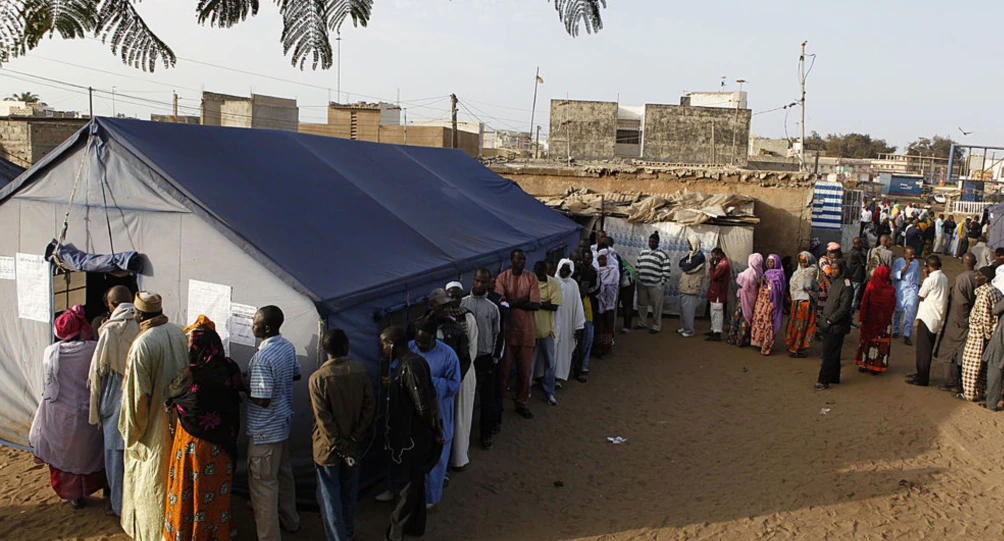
(72, 287)
(628, 137)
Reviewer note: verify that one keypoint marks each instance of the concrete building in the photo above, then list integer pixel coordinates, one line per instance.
(381, 123)
(264, 112)
(25, 140)
(180, 119)
(599, 130)
(32, 109)
(723, 100)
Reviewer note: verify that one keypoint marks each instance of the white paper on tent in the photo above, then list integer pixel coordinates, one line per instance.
(7, 268)
(241, 318)
(213, 301)
(34, 287)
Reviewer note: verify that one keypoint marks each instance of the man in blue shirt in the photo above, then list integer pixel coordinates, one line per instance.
(271, 373)
(444, 366)
(906, 278)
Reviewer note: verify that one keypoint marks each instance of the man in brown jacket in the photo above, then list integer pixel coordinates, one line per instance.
(341, 396)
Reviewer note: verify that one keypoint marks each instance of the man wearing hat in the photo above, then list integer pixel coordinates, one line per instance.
(157, 356)
(468, 378)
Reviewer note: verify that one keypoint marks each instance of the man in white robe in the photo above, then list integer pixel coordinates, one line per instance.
(569, 320)
(464, 409)
(157, 356)
(108, 367)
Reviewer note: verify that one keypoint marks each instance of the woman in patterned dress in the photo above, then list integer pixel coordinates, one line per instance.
(206, 399)
(982, 322)
(767, 313)
(748, 284)
(877, 306)
(804, 288)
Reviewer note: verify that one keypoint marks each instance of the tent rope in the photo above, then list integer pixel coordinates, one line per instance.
(73, 193)
(108, 221)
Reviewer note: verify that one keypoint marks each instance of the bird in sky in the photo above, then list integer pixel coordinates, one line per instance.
(964, 132)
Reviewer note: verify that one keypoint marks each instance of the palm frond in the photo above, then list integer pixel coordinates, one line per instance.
(584, 12)
(11, 29)
(339, 10)
(130, 37)
(70, 18)
(225, 13)
(305, 32)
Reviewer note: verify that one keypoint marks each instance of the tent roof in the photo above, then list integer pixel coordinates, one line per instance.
(342, 221)
(9, 171)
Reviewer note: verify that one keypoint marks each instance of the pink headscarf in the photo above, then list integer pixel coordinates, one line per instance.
(72, 323)
(749, 285)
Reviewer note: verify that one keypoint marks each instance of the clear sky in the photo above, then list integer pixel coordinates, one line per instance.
(895, 70)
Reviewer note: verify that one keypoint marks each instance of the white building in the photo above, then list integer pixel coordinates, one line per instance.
(725, 100)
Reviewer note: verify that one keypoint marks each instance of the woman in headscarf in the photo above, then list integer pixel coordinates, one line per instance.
(877, 306)
(769, 306)
(610, 281)
(691, 282)
(804, 288)
(748, 287)
(60, 434)
(982, 323)
(206, 400)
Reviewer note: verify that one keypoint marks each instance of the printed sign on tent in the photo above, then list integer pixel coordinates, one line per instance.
(213, 301)
(7, 268)
(241, 318)
(34, 287)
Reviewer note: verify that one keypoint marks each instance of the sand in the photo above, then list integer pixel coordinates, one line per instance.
(722, 443)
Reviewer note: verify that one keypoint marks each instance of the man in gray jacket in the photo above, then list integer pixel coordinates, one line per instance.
(993, 355)
(834, 324)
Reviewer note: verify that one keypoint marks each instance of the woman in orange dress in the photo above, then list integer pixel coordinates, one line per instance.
(206, 399)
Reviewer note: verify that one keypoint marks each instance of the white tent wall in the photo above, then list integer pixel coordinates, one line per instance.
(630, 239)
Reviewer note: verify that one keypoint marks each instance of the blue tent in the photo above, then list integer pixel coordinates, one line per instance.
(337, 233)
(9, 171)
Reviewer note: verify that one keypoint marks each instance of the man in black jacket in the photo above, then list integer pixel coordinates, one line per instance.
(835, 324)
(857, 262)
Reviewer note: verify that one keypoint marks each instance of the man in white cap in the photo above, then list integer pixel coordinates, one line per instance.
(468, 378)
(157, 356)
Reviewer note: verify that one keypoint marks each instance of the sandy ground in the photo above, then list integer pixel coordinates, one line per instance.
(722, 443)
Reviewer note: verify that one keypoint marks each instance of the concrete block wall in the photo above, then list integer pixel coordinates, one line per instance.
(15, 142)
(47, 135)
(679, 134)
(273, 113)
(421, 136)
(25, 141)
(585, 129)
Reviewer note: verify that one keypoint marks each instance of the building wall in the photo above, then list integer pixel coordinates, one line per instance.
(271, 113)
(587, 130)
(180, 119)
(679, 134)
(785, 221)
(27, 140)
(421, 136)
(366, 123)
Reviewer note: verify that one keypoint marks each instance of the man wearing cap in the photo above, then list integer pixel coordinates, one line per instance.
(653, 273)
(468, 378)
(157, 356)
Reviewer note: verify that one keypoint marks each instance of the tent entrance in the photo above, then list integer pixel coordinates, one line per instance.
(73, 287)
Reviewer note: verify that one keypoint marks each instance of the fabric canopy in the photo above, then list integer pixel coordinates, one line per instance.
(368, 217)
(9, 171)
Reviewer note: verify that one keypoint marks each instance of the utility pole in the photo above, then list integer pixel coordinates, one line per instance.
(90, 100)
(338, 92)
(114, 113)
(714, 158)
(453, 108)
(533, 110)
(801, 62)
(175, 107)
(537, 145)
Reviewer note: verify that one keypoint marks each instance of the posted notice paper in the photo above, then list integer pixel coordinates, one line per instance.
(7, 268)
(241, 318)
(34, 287)
(212, 301)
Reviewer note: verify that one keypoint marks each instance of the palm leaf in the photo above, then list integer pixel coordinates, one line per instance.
(305, 32)
(130, 37)
(225, 13)
(70, 18)
(584, 12)
(11, 29)
(339, 10)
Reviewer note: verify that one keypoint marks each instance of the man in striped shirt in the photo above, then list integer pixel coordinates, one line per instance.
(653, 273)
(272, 371)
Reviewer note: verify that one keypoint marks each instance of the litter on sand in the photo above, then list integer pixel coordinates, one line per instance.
(824, 411)
(616, 440)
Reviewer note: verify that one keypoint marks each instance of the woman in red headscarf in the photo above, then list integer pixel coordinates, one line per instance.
(877, 306)
(60, 434)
